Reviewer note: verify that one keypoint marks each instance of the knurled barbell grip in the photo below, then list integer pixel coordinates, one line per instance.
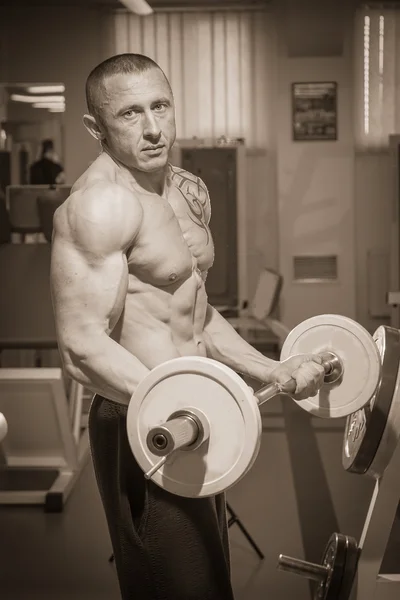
(333, 371)
(316, 572)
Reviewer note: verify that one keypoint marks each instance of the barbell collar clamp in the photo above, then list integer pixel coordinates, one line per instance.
(184, 430)
(333, 367)
(304, 568)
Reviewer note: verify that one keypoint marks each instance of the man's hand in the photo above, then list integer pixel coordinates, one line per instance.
(306, 370)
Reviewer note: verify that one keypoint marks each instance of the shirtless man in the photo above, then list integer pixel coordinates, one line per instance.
(130, 255)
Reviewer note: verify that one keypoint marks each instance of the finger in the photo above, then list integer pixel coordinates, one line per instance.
(309, 378)
(315, 358)
(302, 383)
(315, 371)
(298, 359)
(283, 377)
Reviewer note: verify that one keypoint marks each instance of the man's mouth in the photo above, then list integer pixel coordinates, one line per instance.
(153, 148)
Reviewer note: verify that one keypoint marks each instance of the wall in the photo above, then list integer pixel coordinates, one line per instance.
(315, 179)
(57, 44)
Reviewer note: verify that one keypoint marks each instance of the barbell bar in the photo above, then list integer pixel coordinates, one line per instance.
(194, 425)
(185, 430)
(334, 576)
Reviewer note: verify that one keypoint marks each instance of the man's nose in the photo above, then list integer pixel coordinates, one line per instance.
(151, 126)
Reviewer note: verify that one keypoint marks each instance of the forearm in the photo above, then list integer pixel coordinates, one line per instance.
(104, 367)
(224, 344)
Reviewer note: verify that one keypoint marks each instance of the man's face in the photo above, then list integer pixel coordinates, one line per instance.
(138, 117)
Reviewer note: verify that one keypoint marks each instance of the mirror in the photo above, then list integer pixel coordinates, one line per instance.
(29, 114)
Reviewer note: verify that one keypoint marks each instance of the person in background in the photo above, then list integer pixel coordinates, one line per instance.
(47, 170)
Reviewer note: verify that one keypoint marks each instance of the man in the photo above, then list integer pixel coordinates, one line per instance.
(47, 170)
(130, 255)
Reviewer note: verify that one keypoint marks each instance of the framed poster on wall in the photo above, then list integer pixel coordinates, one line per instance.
(314, 107)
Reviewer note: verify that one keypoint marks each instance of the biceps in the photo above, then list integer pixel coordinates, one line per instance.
(87, 296)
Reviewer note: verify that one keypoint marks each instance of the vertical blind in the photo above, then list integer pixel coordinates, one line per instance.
(218, 64)
(377, 76)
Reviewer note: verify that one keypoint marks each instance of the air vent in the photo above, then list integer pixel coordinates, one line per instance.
(315, 268)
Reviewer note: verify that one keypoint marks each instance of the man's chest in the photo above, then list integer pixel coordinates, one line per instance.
(175, 231)
(191, 216)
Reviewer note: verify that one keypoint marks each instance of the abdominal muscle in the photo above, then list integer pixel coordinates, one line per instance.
(159, 324)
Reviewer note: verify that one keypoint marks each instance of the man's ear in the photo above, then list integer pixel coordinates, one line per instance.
(92, 127)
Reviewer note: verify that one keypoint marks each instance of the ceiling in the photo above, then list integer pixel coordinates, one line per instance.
(115, 3)
(180, 4)
(154, 3)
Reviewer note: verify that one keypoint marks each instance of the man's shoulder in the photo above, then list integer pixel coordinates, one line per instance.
(179, 175)
(99, 208)
(193, 188)
(101, 200)
(187, 181)
(179, 172)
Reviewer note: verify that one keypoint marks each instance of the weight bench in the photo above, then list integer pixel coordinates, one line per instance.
(257, 324)
(28, 212)
(47, 443)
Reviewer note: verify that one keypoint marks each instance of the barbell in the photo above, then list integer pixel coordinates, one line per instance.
(334, 575)
(194, 425)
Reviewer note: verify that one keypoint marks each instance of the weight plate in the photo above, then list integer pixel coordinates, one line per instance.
(357, 352)
(3, 427)
(390, 437)
(352, 554)
(335, 558)
(232, 413)
(365, 428)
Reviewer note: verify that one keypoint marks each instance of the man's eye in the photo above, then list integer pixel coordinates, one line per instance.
(129, 113)
(159, 106)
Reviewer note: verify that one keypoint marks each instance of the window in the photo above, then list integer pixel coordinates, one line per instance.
(377, 76)
(218, 64)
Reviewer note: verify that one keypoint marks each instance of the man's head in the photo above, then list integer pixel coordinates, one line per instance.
(131, 111)
(47, 148)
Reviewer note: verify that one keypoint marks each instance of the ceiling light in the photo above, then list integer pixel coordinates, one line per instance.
(32, 99)
(139, 7)
(48, 105)
(45, 89)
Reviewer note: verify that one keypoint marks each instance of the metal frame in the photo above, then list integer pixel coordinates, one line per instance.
(370, 583)
(68, 429)
(394, 152)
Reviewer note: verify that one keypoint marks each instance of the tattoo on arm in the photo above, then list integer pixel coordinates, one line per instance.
(196, 196)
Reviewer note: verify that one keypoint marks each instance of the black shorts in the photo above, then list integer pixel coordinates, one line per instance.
(166, 547)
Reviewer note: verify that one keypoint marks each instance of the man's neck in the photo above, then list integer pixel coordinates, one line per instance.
(154, 182)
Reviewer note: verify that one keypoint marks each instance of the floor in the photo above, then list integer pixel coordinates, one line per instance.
(294, 497)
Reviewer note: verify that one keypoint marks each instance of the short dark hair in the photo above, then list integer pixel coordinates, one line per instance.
(47, 145)
(120, 63)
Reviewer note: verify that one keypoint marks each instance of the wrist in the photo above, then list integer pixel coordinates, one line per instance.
(269, 368)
